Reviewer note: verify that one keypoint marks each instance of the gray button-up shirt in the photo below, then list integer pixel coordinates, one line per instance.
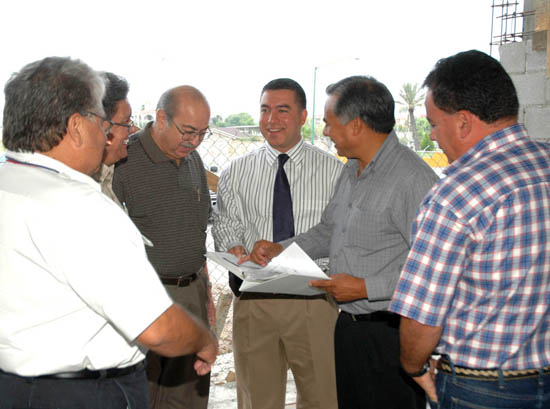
(366, 227)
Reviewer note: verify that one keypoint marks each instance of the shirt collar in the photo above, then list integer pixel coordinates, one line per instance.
(151, 148)
(384, 153)
(489, 143)
(296, 153)
(104, 172)
(51, 165)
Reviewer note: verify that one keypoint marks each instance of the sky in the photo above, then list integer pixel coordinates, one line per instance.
(229, 49)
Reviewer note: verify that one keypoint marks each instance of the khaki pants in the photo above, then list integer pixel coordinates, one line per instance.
(272, 335)
(173, 383)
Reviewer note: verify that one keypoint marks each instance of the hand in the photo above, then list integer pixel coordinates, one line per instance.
(427, 381)
(263, 252)
(343, 287)
(238, 251)
(206, 356)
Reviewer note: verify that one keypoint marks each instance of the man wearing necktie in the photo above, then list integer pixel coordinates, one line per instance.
(365, 230)
(274, 193)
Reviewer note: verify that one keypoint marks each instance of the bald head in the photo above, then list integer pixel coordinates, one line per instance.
(181, 122)
(174, 98)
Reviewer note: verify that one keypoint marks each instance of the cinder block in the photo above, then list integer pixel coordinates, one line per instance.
(512, 57)
(536, 61)
(531, 88)
(521, 114)
(537, 121)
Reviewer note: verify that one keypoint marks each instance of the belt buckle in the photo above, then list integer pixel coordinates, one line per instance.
(353, 318)
(183, 281)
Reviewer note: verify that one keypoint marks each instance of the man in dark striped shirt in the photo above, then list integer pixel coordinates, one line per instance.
(163, 186)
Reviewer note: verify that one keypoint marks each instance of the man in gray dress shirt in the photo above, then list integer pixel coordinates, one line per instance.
(365, 230)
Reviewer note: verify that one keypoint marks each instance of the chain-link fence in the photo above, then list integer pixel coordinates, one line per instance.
(217, 152)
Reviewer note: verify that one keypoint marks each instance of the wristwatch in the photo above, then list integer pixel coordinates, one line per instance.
(421, 372)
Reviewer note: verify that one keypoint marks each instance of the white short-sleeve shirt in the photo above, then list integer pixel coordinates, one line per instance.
(76, 288)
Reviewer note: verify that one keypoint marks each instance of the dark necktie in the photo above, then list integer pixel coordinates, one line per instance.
(283, 219)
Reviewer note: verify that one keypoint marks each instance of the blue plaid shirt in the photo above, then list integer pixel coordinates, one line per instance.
(479, 265)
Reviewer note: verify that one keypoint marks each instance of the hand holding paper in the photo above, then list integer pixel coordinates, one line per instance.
(263, 252)
(343, 287)
(288, 273)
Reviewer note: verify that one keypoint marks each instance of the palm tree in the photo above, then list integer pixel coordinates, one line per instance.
(412, 98)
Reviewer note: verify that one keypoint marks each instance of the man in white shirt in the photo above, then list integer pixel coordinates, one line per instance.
(75, 324)
(274, 332)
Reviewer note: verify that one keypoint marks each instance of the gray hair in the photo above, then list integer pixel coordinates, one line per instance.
(40, 99)
(366, 98)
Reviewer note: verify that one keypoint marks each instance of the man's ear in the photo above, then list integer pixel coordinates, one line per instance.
(464, 123)
(303, 117)
(161, 118)
(356, 125)
(75, 130)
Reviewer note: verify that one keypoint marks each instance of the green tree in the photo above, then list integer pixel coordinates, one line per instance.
(424, 129)
(411, 98)
(306, 129)
(239, 119)
(217, 121)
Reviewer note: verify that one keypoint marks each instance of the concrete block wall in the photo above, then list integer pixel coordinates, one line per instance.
(527, 67)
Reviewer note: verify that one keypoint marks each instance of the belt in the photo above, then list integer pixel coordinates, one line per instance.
(271, 296)
(88, 374)
(377, 316)
(444, 365)
(182, 281)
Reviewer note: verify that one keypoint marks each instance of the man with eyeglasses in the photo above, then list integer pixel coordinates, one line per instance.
(119, 114)
(74, 321)
(163, 186)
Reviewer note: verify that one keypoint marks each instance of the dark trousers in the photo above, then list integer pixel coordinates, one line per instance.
(173, 382)
(368, 370)
(128, 391)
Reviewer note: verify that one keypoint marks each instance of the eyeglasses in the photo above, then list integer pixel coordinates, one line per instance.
(128, 126)
(111, 123)
(190, 135)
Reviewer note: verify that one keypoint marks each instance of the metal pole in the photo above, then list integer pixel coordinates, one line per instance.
(313, 109)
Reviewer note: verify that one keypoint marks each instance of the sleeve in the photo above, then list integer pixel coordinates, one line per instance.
(433, 267)
(408, 195)
(228, 226)
(104, 263)
(316, 241)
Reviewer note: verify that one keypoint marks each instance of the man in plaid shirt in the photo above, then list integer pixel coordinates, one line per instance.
(476, 283)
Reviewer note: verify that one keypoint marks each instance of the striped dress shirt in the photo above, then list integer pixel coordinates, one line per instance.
(244, 211)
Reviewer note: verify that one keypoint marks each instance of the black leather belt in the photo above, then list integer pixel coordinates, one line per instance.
(182, 281)
(377, 316)
(88, 374)
(270, 296)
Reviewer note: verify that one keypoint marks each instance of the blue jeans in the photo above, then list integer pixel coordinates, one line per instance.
(122, 392)
(460, 392)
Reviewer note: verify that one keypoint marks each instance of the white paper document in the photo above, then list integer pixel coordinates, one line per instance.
(288, 273)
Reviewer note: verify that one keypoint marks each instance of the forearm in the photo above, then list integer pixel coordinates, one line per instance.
(315, 242)
(176, 333)
(418, 341)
